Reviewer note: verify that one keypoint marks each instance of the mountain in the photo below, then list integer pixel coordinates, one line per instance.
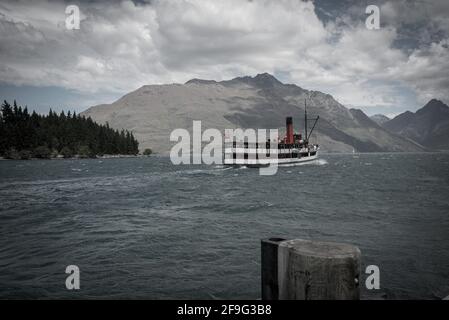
(153, 111)
(379, 119)
(429, 126)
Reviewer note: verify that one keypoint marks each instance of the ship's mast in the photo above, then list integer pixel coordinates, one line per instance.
(307, 136)
(305, 119)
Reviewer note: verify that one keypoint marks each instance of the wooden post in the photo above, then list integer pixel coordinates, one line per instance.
(309, 270)
(269, 263)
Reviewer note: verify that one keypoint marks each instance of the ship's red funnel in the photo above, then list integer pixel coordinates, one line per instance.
(289, 122)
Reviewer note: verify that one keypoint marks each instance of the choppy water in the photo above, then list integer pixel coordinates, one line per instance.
(143, 228)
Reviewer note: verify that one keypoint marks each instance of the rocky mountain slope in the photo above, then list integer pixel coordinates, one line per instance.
(429, 126)
(153, 111)
(379, 119)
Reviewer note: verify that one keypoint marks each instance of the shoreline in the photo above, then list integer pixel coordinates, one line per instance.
(118, 156)
(158, 155)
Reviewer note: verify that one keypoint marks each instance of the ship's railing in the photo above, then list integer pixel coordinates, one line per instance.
(276, 150)
(241, 150)
(263, 145)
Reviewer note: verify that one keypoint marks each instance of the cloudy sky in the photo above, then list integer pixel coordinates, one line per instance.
(320, 45)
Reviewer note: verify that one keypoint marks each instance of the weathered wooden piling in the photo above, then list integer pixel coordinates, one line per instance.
(309, 270)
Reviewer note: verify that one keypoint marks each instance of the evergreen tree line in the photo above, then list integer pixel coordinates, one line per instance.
(24, 135)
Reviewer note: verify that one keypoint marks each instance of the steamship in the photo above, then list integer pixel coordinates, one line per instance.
(292, 149)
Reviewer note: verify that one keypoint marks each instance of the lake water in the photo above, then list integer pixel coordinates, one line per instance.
(143, 228)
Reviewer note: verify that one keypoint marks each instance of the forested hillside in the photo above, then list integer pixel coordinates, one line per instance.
(24, 135)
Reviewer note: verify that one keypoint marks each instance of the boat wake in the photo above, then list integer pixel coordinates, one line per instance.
(317, 162)
(213, 171)
(222, 168)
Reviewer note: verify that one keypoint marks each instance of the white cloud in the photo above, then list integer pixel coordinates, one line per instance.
(122, 46)
(427, 71)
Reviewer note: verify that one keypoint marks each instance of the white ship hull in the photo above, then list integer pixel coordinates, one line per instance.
(274, 160)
